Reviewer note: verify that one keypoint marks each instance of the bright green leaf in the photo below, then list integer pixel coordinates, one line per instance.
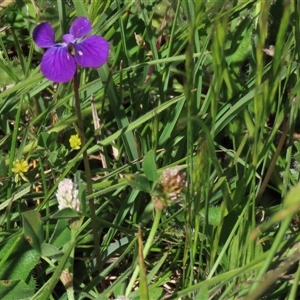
(33, 229)
(66, 213)
(149, 166)
(138, 182)
(15, 289)
(61, 234)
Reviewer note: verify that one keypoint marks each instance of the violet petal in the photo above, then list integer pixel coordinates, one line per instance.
(58, 64)
(44, 35)
(68, 38)
(80, 27)
(92, 52)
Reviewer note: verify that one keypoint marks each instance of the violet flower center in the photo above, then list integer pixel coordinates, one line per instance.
(71, 49)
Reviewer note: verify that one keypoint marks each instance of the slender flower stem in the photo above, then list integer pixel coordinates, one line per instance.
(69, 287)
(146, 249)
(88, 174)
(67, 275)
(70, 293)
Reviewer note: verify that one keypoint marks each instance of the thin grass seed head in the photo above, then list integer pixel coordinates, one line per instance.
(67, 195)
(169, 188)
(61, 59)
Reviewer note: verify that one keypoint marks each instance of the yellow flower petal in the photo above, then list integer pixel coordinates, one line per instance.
(19, 168)
(75, 142)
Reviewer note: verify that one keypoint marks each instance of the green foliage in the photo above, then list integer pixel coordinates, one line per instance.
(208, 87)
(17, 261)
(33, 230)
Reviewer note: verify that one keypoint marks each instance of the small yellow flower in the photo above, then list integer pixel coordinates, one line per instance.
(19, 168)
(75, 142)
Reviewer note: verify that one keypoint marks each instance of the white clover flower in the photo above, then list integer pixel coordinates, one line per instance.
(172, 176)
(67, 195)
(169, 188)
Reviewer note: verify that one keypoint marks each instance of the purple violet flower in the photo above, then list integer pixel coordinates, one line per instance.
(59, 61)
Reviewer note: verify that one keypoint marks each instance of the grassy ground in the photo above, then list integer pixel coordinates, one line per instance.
(188, 175)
